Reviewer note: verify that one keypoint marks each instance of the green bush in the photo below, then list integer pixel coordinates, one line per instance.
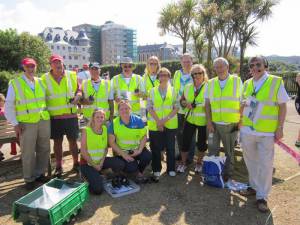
(5, 76)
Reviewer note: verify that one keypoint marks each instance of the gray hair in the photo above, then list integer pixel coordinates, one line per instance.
(222, 60)
(186, 54)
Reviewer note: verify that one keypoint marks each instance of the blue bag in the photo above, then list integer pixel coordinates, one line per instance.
(212, 170)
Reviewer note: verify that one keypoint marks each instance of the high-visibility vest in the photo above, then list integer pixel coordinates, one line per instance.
(100, 97)
(149, 84)
(30, 104)
(124, 91)
(127, 138)
(225, 104)
(96, 144)
(197, 115)
(162, 108)
(266, 117)
(177, 85)
(59, 95)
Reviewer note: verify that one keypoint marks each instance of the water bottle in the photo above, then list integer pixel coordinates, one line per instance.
(210, 139)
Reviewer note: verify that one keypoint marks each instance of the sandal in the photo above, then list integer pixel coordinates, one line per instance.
(141, 180)
(247, 192)
(297, 144)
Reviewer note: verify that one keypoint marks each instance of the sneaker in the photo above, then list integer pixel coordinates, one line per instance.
(42, 179)
(29, 186)
(198, 168)
(297, 144)
(156, 176)
(172, 173)
(262, 205)
(141, 180)
(181, 168)
(58, 172)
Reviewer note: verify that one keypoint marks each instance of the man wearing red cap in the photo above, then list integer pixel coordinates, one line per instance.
(25, 109)
(63, 94)
(84, 74)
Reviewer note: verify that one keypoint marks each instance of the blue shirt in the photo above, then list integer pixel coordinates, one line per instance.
(135, 122)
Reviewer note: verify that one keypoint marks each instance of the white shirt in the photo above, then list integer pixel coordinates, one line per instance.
(84, 75)
(282, 97)
(10, 109)
(222, 85)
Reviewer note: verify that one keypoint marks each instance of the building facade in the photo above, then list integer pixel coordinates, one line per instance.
(73, 46)
(117, 41)
(163, 51)
(93, 33)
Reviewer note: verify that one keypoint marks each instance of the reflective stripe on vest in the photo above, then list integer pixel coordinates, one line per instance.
(127, 138)
(121, 87)
(100, 98)
(225, 104)
(162, 108)
(196, 115)
(96, 144)
(30, 104)
(266, 115)
(59, 95)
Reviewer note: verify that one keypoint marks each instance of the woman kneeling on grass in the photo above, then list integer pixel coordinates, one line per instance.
(93, 153)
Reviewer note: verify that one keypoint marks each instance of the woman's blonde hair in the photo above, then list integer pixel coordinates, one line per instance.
(201, 67)
(91, 123)
(164, 70)
(147, 69)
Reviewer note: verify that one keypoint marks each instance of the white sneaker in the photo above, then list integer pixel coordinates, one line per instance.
(156, 174)
(179, 168)
(172, 173)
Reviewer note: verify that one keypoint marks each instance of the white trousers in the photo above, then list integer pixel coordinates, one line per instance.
(258, 154)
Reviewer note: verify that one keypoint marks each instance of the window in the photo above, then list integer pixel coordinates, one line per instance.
(70, 66)
(83, 49)
(70, 57)
(69, 48)
(64, 57)
(75, 49)
(63, 48)
(52, 47)
(76, 57)
(57, 47)
(83, 57)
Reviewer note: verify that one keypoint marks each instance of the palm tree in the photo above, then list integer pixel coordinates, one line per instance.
(177, 18)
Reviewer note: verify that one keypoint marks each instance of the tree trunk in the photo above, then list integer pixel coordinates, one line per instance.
(242, 56)
(208, 60)
(184, 46)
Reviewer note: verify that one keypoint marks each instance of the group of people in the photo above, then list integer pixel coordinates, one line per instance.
(187, 108)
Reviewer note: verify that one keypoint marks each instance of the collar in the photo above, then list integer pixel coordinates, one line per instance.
(122, 75)
(262, 79)
(130, 119)
(225, 79)
(26, 79)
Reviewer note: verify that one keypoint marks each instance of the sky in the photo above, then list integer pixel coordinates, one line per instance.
(279, 35)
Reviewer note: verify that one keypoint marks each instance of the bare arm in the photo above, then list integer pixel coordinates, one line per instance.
(281, 118)
(210, 126)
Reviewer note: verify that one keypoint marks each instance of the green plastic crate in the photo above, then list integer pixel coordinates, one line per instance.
(61, 212)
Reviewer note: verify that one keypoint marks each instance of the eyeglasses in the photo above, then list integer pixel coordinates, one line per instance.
(127, 66)
(95, 68)
(258, 65)
(30, 66)
(198, 73)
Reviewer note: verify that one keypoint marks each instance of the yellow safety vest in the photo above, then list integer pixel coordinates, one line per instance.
(30, 104)
(148, 84)
(162, 108)
(197, 115)
(96, 144)
(127, 138)
(266, 117)
(100, 97)
(124, 91)
(177, 85)
(225, 104)
(59, 95)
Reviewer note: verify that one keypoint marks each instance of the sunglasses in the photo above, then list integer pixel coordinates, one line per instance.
(258, 65)
(198, 73)
(95, 68)
(127, 66)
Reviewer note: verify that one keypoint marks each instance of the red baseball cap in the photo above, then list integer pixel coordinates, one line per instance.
(28, 61)
(85, 66)
(56, 57)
